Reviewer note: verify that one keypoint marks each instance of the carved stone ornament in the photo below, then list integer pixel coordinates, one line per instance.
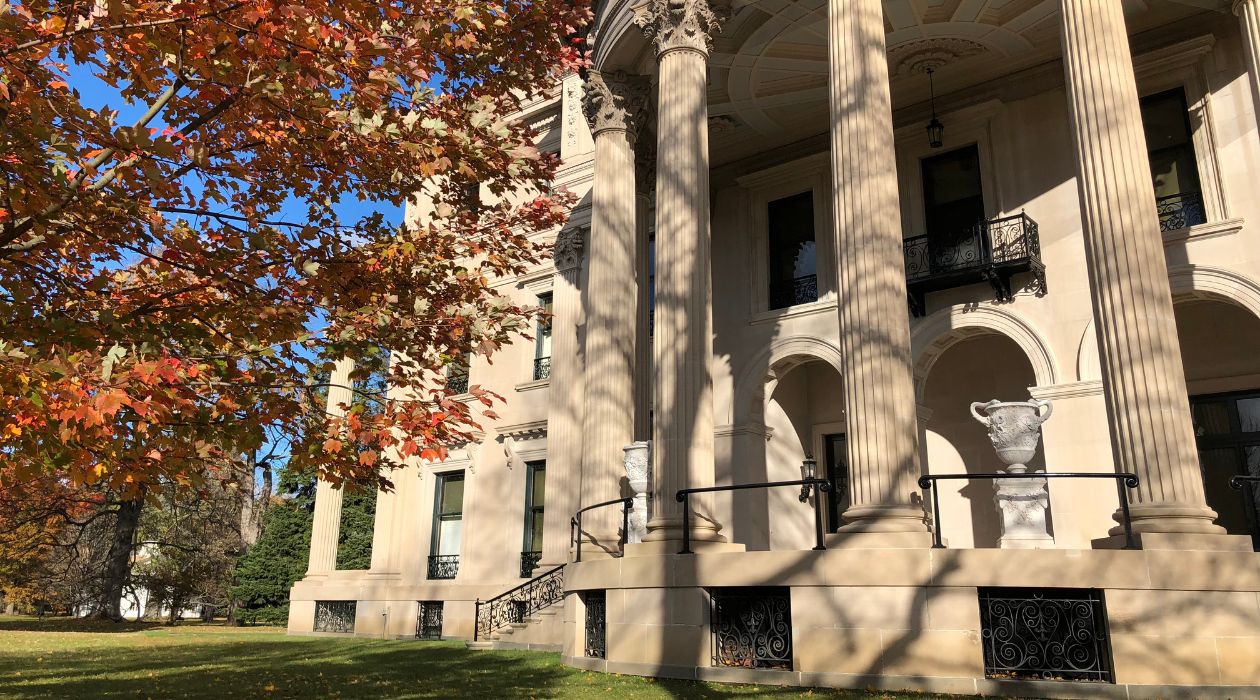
(645, 166)
(681, 24)
(1014, 430)
(615, 101)
(568, 250)
(638, 464)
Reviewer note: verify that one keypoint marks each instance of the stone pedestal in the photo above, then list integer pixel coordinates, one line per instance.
(638, 462)
(1143, 380)
(1023, 504)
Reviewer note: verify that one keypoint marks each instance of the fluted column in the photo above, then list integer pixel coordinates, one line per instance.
(682, 421)
(880, 418)
(1248, 12)
(326, 526)
(1145, 388)
(564, 414)
(614, 107)
(645, 178)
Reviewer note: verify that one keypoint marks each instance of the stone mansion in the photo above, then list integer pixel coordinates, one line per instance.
(814, 239)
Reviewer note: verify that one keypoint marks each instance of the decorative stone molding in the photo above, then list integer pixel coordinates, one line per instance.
(1070, 390)
(936, 333)
(918, 55)
(1205, 281)
(615, 102)
(569, 248)
(531, 430)
(1214, 229)
(681, 24)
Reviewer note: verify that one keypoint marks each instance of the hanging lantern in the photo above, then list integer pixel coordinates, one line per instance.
(935, 129)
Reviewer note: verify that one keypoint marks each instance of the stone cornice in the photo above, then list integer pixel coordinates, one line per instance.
(1070, 390)
(524, 431)
(674, 25)
(615, 102)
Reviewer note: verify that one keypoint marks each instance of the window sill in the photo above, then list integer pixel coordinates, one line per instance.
(824, 304)
(1214, 229)
(532, 385)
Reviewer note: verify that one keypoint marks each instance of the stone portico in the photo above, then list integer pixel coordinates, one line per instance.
(767, 266)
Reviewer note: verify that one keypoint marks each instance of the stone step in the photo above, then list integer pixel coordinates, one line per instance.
(480, 646)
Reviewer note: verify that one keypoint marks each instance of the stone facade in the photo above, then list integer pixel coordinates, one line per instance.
(1134, 308)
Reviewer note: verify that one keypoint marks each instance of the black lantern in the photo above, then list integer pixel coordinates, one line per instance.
(809, 470)
(935, 129)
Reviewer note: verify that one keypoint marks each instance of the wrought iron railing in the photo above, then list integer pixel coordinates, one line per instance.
(575, 523)
(1178, 211)
(516, 604)
(1045, 634)
(683, 496)
(801, 290)
(529, 562)
(457, 383)
(596, 624)
(990, 251)
(542, 368)
(334, 615)
(1122, 480)
(443, 566)
(429, 620)
(751, 627)
(1237, 482)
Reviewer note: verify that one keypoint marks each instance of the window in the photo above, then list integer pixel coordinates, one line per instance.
(448, 520)
(1174, 165)
(1045, 634)
(953, 198)
(535, 491)
(595, 609)
(793, 254)
(751, 627)
(1227, 428)
(837, 467)
(429, 620)
(457, 374)
(542, 340)
(335, 616)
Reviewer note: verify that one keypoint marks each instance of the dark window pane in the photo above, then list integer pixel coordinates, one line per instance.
(953, 198)
(452, 495)
(1211, 418)
(1249, 415)
(793, 263)
(1166, 121)
(838, 474)
(1219, 465)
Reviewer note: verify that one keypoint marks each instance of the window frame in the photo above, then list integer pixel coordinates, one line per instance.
(534, 513)
(435, 531)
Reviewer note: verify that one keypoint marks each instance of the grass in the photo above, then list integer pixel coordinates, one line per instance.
(61, 658)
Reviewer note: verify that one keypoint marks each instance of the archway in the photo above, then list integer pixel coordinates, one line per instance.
(953, 442)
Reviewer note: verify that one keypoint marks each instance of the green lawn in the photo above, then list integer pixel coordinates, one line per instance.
(72, 659)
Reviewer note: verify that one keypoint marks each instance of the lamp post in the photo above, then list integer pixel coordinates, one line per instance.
(809, 470)
(935, 129)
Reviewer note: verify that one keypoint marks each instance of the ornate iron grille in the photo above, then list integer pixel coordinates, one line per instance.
(429, 620)
(443, 566)
(1179, 211)
(519, 603)
(595, 612)
(457, 383)
(542, 368)
(1045, 634)
(802, 290)
(991, 251)
(752, 627)
(334, 616)
(529, 562)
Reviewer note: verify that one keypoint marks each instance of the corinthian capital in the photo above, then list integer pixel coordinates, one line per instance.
(681, 24)
(615, 101)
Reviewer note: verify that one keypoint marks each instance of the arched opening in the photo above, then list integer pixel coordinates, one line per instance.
(1219, 342)
(953, 442)
(805, 412)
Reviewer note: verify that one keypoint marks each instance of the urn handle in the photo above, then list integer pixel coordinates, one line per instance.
(1048, 406)
(984, 420)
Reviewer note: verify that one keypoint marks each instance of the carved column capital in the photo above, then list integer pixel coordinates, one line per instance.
(681, 24)
(569, 249)
(615, 101)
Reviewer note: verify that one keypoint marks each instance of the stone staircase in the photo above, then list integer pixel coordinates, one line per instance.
(529, 616)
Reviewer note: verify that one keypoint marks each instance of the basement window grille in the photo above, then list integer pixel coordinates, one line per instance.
(334, 616)
(429, 620)
(595, 614)
(752, 627)
(1057, 634)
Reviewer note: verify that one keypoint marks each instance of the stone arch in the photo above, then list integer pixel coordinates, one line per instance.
(941, 330)
(758, 378)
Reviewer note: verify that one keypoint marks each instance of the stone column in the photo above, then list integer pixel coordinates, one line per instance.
(326, 525)
(682, 420)
(645, 178)
(1248, 12)
(614, 107)
(1143, 381)
(880, 410)
(564, 415)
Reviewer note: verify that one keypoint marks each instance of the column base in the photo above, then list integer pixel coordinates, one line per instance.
(1181, 542)
(1168, 518)
(670, 530)
(877, 518)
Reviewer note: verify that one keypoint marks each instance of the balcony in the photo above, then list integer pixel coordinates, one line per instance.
(1180, 211)
(794, 292)
(542, 368)
(457, 383)
(443, 567)
(992, 251)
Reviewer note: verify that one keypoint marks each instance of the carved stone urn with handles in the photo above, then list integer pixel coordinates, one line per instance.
(638, 464)
(1014, 429)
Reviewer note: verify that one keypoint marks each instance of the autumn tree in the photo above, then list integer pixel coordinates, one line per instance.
(171, 284)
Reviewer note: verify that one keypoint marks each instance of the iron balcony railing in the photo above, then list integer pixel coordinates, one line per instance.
(458, 383)
(1178, 211)
(683, 496)
(542, 368)
(575, 523)
(443, 566)
(928, 482)
(991, 251)
(793, 292)
(529, 562)
(515, 605)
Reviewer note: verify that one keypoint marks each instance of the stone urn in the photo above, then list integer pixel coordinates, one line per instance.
(638, 464)
(1014, 429)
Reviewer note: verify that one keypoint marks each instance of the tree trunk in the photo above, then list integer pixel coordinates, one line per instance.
(117, 569)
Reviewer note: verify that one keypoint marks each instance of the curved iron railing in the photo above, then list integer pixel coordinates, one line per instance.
(516, 604)
(1178, 211)
(575, 523)
(1237, 482)
(683, 496)
(928, 481)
